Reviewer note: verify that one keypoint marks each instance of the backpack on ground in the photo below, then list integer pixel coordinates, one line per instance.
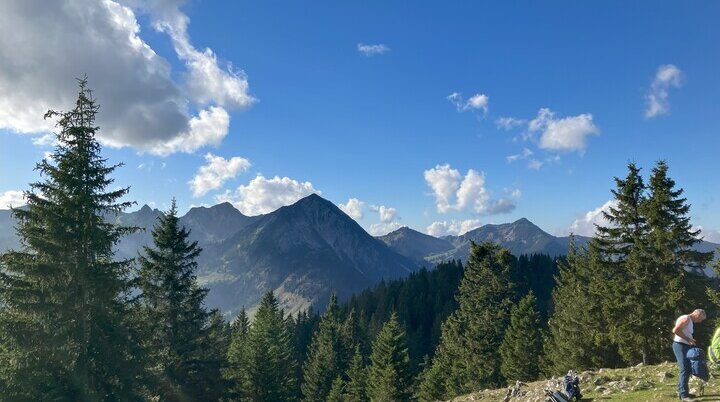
(571, 383)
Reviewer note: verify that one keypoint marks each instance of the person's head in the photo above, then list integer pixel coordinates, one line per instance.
(698, 315)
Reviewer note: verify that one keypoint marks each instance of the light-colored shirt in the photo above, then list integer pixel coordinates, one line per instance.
(687, 330)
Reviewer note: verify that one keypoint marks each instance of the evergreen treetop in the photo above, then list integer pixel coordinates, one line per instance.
(64, 333)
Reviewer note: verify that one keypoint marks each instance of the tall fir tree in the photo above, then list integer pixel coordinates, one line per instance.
(677, 267)
(64, 334)
(389, 378)
(177, 325)
(326, 356)
(577, 335)
(468, 357)
(621, 248)
(337, 391)
(521, 348)
(355, 389)
(237, 371)
(270, 366)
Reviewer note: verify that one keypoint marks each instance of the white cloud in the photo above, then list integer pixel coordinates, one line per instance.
(217, 171)
(476, 102)
(387, 214)
(209, 128)
(372, 50)
(11, 198)
(45, 45)
(526, 153)
(444, 228)
(444, 181)
(562, 134)
(206, 81)
(383, 228)
(263, 195)
(472, 192)
(585, 225)
(667, 76)
(353, 208)
(452, 193)
(508, 123)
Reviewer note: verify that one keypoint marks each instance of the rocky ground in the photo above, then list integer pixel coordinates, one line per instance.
(640, 383)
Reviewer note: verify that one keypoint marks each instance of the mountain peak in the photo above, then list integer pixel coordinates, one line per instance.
(313, 201)
(145, 209)
(523, 221)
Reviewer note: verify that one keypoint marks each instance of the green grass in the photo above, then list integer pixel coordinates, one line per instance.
(638, 384)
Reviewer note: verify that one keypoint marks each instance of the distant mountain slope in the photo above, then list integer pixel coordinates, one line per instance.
(520, 237)
(304, 251)
(214, 224)
(309, 249)
(415, 245)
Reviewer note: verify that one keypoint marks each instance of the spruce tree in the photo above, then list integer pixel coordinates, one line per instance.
(355, 389)
(389, 377)
(621, 248)
(326, 354)
(521, 348)
(64, 334)
(676, 268)
(336, 391)
(578, 338)
(177, 333)
(238, 354)
(271, 368)
(219, 336)
(468, 356)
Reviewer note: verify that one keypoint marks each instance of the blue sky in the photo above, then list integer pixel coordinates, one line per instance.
(590, 85)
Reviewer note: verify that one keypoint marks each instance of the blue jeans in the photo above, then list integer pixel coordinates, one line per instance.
(680, 350)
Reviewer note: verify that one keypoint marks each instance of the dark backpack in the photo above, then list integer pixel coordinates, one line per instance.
(572, 387)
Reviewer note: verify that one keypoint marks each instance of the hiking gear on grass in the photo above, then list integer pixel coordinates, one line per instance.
(571, 383)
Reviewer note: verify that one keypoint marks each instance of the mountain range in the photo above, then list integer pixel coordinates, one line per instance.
(307, 250)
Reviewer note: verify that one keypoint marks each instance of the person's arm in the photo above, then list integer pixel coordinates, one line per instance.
(677, 330)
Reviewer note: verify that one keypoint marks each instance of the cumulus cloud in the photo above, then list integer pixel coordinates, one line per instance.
(387, 214)
(383, 228)
(667, 76)
(562, 134)
(372, 50)
(444, 181)
(216, 172)
(585, 225)
(207, 82)
(388, 220)
(476, 102)
(508, 123)
(453, 191)
(445, 228)
(353, 208)
(45, 45)
(11, 198)
(263, 195)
